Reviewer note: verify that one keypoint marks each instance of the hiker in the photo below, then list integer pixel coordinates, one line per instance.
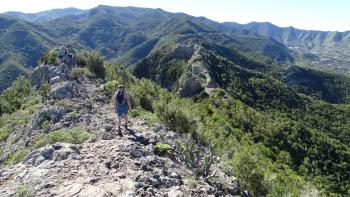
(122, 106)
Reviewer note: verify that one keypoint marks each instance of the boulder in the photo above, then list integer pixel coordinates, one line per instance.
(39, 75)
(62, 90)
(40, 155)
(191, 87)
(175, 192)
(55, 73)
(52, 114)
(136, 153)
(66, 55)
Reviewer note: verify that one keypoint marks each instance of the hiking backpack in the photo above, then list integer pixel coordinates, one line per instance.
(120, 97)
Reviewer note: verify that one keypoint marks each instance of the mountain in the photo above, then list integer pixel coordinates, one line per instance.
(325, 50)
(69, 145)
(114, 32)
(45, 16)
(222, 122)
(22, 44)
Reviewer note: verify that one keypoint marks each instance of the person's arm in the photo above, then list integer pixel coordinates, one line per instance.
(128, 101)
(114, 102)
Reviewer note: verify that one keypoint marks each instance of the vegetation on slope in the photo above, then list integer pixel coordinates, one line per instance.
(276, 145)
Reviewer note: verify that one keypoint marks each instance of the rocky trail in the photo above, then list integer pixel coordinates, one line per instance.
(106, 164)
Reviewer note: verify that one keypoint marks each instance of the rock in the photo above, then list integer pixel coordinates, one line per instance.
(155, 181)
(66, 54)
(120, 175)
(175, 192)
(55, 80)
(191, 86)
(39, 75)
(175, 175)
(62, 90)
(40, 155)
(52, 114)
(129, 194)
(169, 182)
(136, 153)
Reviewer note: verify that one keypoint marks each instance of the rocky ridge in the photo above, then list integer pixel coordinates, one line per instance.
(106, 164)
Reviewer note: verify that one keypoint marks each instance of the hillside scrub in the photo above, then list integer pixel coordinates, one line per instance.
(274, 140)
(284, 137)
(15, 96)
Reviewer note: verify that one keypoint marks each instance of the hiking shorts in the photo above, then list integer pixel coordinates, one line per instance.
(122, 109)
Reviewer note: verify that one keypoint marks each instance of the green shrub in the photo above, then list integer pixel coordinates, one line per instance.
(118, 73)
(248, 166)
(76, 135)
(162, 149)
(78, 71)
(15, 96)
(4, 133)
(45, 124)
(109, 88)
(24, 190)
(145, 93)
(177, 116)
(17, 156)
(93, 61)
(44, 89)
(135, 112)
(190, 154)
(49, 58)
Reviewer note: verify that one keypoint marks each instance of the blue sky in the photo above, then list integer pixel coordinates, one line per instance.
(305, 14)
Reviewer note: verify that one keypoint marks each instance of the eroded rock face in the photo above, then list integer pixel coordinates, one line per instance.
(51, 114)
(197, 77)
(63, 90)
(191, 86)
(66, 60)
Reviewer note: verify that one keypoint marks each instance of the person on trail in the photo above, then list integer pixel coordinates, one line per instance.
(122, 106)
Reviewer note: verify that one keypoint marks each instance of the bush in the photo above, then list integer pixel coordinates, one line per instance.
(248, 166)
(15, 96)
(118, 73)
(4, 133)
(77, 72)
(17, 156)
(162, 149)
(49, 58)
(93, 61)
(109, 88)
(177, 116)
(24, 190)
(191, 155)
(76, 135)
(44, 89)
(145, 92)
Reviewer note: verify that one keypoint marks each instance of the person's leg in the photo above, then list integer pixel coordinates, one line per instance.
(119, 121)
(126, 121)
(119, 125)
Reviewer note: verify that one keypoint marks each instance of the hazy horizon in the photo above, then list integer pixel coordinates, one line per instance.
(309, 15)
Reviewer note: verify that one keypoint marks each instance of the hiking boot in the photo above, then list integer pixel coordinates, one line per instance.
(120, 132)
(126, 126)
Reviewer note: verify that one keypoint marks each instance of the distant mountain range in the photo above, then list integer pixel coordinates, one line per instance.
(133, 36)
(326, 50)
(46, 15)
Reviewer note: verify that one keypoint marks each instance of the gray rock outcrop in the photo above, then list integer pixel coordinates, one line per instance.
(197, 77)
(63, 90)
(66, 60)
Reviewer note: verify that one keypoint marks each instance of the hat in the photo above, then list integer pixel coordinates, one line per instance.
(120, 86)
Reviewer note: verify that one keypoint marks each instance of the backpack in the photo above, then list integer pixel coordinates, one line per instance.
(120, 97)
